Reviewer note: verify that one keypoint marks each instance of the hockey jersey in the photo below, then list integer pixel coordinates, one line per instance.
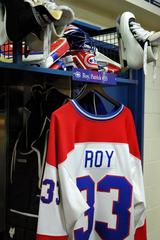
(93, 184)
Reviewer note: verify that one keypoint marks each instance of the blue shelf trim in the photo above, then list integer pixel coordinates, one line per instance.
(24, 67)
(126, 80)
(106, 31)
(35, 69)
(106, 45)
(140, 96)
(86, 25)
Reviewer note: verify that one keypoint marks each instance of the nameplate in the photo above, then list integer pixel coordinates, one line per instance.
(93, 76)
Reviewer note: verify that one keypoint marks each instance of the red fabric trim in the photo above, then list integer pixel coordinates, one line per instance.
(141, 233)
(44, 237)
(132, 135)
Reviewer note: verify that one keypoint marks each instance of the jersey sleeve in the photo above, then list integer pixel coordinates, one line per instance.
(139, 203)
(61, 203)
(139, 195)
(51, 224)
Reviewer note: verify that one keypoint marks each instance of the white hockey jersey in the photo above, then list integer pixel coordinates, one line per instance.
(93, 184)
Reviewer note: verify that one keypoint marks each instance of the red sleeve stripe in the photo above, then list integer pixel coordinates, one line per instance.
(44, 237)
(141, 233)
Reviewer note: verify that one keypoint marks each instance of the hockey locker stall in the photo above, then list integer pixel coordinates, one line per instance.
(16, 81)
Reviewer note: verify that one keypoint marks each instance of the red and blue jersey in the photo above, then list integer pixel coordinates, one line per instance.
(93, 183)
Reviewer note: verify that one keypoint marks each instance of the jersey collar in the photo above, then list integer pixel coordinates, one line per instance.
(107, 116)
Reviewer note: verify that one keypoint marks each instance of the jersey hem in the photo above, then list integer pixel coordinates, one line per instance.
(46, 237)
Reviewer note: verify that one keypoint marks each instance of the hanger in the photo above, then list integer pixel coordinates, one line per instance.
(97, 88)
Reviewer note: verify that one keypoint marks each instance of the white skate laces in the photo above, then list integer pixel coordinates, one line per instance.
(147, 39)
(139, 33)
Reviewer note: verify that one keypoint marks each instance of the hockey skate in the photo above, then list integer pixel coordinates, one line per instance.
(61, 16)
(137, 46)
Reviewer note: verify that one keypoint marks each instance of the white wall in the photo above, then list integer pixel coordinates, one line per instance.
(152, 152)
(88, 14)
